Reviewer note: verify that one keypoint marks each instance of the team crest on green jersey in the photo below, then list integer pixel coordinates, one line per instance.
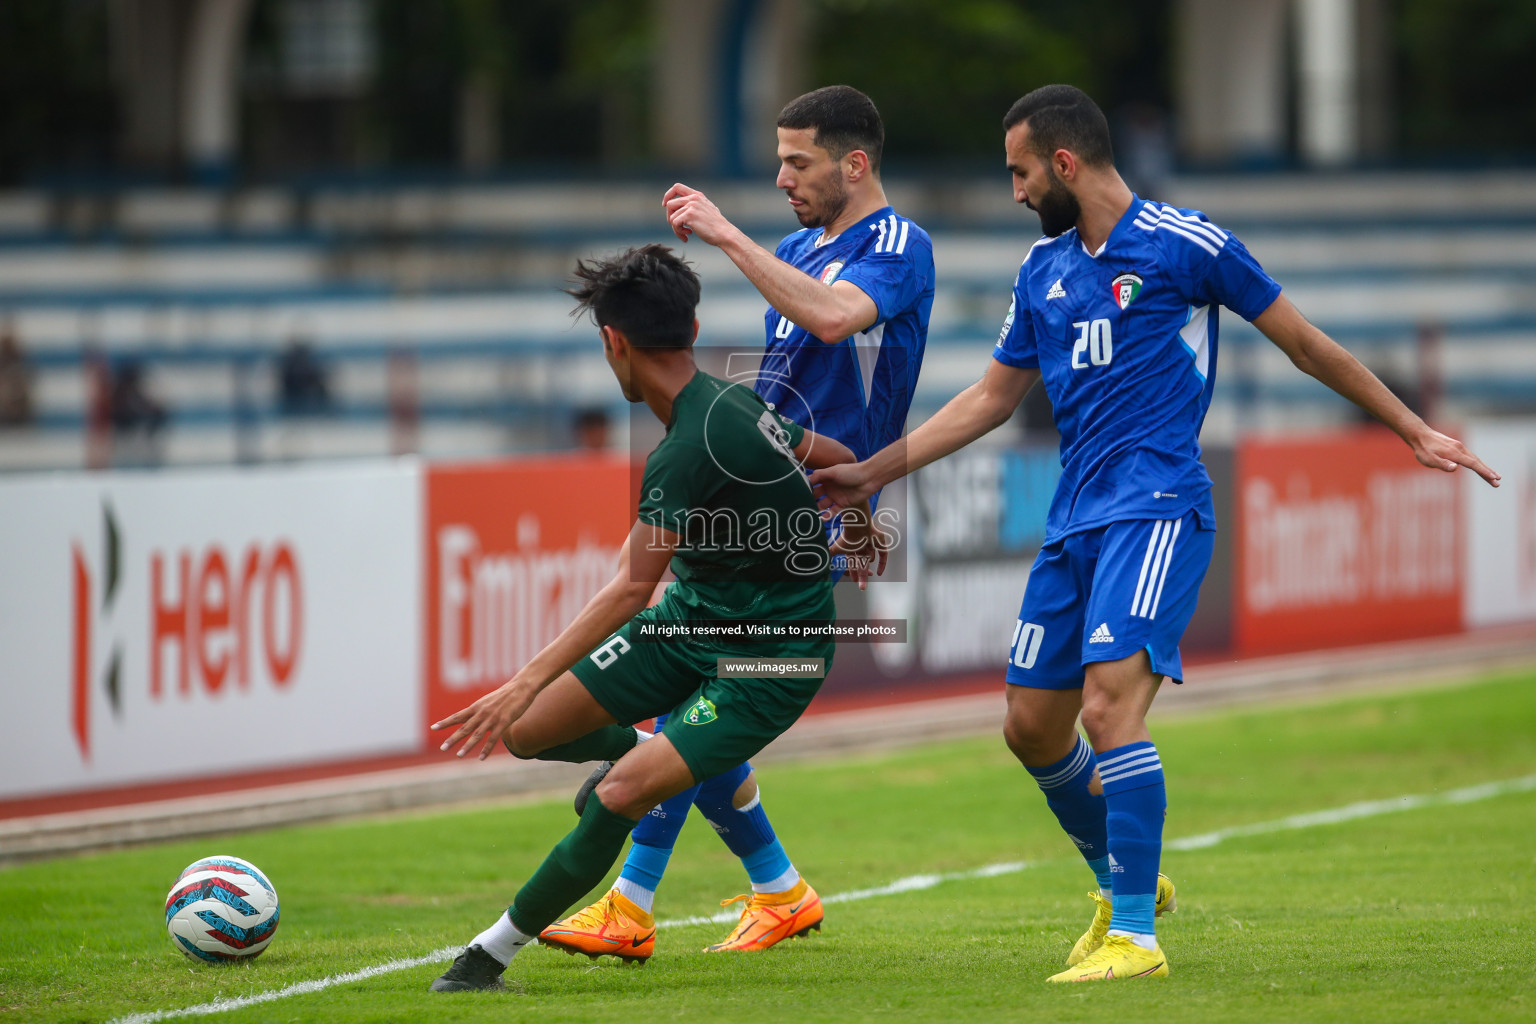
(702, 712)
(1125, 288)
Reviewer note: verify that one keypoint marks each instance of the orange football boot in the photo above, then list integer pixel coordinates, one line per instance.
(772, 917)
(613, 926)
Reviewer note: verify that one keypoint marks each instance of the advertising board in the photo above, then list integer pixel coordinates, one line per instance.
(1343, 539)
(512, 550)
(1501, 524)
(179, 625)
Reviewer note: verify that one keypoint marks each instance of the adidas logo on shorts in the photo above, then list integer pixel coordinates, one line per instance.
(1102, 635)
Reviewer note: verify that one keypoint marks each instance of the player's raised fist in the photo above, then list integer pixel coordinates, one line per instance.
(690, 212)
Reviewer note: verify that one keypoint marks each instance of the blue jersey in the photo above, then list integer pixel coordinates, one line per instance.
(1125, 340)
(858, 390)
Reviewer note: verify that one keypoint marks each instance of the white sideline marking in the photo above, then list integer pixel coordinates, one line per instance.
(1363, 809)
(297, 989)
(912, 883)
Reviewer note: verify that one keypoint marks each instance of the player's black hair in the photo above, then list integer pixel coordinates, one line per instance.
(843, 120)
(1063, 117)
(646, 292)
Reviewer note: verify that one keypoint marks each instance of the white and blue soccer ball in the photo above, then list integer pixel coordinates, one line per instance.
(221, 908)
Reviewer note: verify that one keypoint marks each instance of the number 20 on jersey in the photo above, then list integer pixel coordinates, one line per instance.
(1094, 341)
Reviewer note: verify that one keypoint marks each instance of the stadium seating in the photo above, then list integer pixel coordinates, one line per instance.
(437, 314)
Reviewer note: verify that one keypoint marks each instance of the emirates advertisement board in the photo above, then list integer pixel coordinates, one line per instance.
(1344, 539)
(512, 552)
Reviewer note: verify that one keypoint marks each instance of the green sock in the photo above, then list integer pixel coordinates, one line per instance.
(576, 864)
(609, 743)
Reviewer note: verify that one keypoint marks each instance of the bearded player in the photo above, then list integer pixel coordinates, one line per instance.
(849, 297)
(1116, 309)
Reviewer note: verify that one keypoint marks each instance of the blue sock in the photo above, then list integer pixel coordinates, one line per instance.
(1081, 813)
(1138, 800)
(655, 836)
(644, 865)
(745, 830)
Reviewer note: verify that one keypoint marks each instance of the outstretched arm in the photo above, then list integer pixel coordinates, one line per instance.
(977, 410)
(1316, 354)
(830, 312)
(642, 561)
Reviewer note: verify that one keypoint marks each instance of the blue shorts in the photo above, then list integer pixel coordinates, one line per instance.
(1104, 594)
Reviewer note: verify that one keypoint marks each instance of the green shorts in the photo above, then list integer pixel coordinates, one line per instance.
(715, 724)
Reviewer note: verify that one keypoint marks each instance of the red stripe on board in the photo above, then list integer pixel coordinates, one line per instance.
(21, 807)
(82, 688)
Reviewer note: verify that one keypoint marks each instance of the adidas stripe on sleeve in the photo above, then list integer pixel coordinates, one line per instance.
(896, 270)
(1220, 268)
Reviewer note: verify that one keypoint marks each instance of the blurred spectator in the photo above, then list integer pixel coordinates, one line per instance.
(133, 410)
(1401, 386)
(404, 403)
(135, 416)
(1144, 145)
(15, 380)
(591, 427)
(304, 389)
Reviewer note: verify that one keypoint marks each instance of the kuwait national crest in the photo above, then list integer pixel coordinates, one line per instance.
(1124, 289)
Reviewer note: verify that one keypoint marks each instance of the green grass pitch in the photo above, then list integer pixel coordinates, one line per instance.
(1420, 915)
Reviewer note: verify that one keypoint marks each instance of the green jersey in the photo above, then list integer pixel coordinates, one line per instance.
(725, 480)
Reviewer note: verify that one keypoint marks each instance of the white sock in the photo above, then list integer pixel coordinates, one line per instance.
(785, 882)
(641, 736)
(1108, 894)
(502, 940)
(636, 893)
(1145, 940)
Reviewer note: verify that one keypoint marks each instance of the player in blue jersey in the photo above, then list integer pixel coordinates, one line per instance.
(1116, 310)
(849, 297)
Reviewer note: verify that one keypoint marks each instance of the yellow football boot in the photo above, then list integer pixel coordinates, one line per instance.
(772, 917)
(1167, 903)
(1117, 959)
(613, 926)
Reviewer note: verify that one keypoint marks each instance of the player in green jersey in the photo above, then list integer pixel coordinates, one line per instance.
(724, 499)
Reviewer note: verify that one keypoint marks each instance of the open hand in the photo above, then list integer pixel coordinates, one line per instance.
(487, 719)
(1438, 451)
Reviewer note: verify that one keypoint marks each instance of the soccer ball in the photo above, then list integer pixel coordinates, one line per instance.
(221, 908)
